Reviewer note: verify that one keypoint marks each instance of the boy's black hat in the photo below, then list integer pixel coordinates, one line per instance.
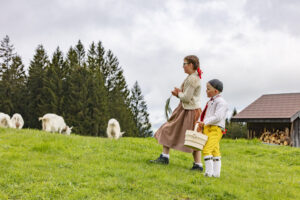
(216, 84)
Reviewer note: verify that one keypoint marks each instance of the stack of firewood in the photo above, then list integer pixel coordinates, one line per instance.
(279, 137)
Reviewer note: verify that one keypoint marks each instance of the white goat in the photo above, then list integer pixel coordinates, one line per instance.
(55, 123)
(17, 121)
(113, 129)
(5, 120)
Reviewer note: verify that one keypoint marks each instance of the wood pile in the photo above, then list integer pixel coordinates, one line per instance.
(279, 137)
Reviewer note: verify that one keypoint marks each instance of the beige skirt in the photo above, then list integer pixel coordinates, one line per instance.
(172, 133)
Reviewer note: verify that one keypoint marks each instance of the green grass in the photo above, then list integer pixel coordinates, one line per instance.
(40, 165)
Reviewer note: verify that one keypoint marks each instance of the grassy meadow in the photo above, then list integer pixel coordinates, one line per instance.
(40, 165)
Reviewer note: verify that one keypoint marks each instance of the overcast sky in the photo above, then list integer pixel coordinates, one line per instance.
(252, 46)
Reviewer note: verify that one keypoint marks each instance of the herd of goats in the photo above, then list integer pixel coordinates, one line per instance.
(55, 123)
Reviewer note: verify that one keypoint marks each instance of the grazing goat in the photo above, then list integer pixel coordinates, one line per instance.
(113, 129)
(55, 123)
(5, 120)
(17, 121)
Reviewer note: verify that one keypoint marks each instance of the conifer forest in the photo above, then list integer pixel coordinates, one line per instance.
(86, 87)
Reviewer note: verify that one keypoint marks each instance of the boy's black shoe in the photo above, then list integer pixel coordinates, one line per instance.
(197, 167)
(161, 160)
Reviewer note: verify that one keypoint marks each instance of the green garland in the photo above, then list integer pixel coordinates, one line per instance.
(168, 110)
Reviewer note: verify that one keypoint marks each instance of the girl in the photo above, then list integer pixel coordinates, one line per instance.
(172, 133)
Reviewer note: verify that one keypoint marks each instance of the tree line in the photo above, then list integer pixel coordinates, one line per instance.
(86, 87)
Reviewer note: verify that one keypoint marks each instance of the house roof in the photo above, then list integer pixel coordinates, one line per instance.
(272, 107)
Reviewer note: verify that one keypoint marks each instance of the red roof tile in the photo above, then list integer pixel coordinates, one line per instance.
(272, 106)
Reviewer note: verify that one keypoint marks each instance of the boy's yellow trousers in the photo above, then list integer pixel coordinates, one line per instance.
(212, 146)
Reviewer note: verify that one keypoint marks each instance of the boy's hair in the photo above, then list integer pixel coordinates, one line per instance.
(194, 60)
(217, 84)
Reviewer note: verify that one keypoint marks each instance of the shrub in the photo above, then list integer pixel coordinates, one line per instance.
(236, 130)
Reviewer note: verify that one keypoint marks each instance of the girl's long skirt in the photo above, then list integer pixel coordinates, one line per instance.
(172, 133)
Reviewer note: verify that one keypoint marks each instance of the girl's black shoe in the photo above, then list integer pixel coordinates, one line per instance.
(197, 167)
(161, 160)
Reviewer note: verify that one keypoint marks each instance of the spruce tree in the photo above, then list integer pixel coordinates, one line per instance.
(234, 112)
(77, 91)
(17, 82)
(13, 79)
(70, 64)
(79, 49)
(118, 94)
(109, 70)
(97, 95)
(35, 85)
(139, 110)
(104, 102)
(52, 92)
(100, 58)
(77, 101)
(6, 55)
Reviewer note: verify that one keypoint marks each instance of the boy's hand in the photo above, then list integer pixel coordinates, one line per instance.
(200, 126)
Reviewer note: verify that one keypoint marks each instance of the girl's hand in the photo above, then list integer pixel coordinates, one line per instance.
(178, 90)
(175, 93)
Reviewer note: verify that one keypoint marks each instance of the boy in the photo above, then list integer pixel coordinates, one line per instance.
(212, 121)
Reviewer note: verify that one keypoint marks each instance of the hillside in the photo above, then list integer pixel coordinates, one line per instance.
(40, 165)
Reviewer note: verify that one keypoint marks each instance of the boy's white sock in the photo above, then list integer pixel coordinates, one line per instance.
(199, 164)
(165, 155)
(217, 166)
(209, 166)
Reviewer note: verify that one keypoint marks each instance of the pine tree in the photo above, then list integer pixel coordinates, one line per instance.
(18, 81)
(52, 92)
(97, 95)
(109, 70)
(79, 49)
(104, 104)
(100, 58)
(70, 64)
(77, 91)
(35, 85)
(139, 110)
(234, 112)
(6, 55)
(118, 94)
(13, 79)
(77, 101)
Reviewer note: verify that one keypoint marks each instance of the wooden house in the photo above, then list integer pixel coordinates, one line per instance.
(273, 112)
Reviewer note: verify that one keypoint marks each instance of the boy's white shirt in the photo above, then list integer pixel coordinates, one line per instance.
(216, 112)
